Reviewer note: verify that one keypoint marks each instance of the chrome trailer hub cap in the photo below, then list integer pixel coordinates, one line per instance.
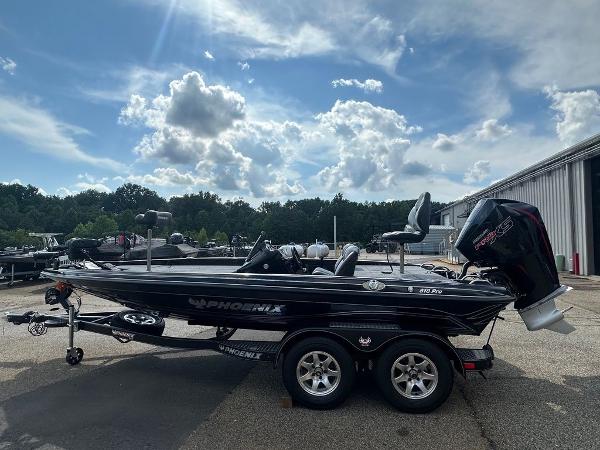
(139, 318)
(414, 375)
(318, 373)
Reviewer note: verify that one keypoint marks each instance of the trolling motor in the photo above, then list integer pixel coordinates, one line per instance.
(152, 219)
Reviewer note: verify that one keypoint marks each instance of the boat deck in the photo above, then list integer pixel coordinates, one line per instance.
(363, 271)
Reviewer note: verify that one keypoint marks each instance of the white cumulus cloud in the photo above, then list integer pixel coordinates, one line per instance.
(368, 85)
(206, 127)
(577, 113)
(478, 172)
(204, 110)
(87, 182)
(13, 181)
(446, 143)
(371, 142)
(85, 186)
(491, 130)
(64, 192)
(167, 176)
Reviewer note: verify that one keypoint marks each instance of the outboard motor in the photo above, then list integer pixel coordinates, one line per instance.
(80, 248)
(286, 250)
(176, 239)
(511, 236)
(318, 250)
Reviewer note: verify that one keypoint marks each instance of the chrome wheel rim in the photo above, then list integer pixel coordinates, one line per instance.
(318, 373)
(414, 376)
(139, 318)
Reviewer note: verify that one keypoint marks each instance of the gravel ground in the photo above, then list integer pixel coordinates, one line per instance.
(543, 391)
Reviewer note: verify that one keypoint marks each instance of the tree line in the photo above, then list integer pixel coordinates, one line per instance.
(201, 215)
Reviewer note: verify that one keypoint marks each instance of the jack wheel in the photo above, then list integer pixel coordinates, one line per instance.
(73, 360)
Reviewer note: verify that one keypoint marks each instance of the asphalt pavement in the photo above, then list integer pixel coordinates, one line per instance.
(544, 391)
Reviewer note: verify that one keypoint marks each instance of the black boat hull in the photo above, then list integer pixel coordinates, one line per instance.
(284, 302)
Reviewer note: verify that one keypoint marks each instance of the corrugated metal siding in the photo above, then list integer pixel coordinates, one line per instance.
(549, 192)
(582, 213)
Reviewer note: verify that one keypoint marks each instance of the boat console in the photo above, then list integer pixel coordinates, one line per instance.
(264, 258)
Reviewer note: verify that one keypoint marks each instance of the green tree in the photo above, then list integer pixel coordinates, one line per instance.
(126, 220)
(95, 214)
(134, 197)
(201, 236)
(221, 238)
(102, 226)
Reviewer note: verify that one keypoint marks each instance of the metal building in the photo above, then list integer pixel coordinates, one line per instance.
(566, 189)
(434, 243)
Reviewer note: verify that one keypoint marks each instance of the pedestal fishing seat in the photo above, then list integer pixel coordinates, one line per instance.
(418, 219)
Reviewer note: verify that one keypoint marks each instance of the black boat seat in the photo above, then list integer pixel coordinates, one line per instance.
(418, 220)
(345, 264)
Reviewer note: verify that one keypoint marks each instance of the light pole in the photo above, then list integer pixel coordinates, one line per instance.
(335, 236)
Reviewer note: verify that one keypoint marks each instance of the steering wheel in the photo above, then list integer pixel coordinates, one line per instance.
(256, 247)
(298, 262)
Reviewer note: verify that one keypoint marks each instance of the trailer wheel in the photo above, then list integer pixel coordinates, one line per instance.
(414, 375)
(318, 373)
(139, 322)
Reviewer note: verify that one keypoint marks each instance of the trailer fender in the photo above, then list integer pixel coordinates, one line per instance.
(369, 341)
(441, 341)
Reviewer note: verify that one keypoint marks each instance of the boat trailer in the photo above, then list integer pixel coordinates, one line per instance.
(364, 338)
(13, 275)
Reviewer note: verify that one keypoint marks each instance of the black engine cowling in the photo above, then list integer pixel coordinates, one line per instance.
(511, 235)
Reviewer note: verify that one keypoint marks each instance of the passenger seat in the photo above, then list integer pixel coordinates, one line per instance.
(345, 264)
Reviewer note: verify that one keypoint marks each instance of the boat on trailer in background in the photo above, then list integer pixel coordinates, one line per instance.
(28, 263)
(339, 318)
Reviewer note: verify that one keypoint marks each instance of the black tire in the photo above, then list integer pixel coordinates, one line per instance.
(139, 322)
(73, 360)
(342, 385)
(416, 401)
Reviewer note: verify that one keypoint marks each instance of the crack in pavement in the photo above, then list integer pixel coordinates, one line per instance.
(491, 444)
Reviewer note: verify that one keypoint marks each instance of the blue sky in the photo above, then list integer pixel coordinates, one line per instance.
(278, 100)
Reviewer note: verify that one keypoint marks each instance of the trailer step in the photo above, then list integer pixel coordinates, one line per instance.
(365, 325)
(476, 359)
(253, 350)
